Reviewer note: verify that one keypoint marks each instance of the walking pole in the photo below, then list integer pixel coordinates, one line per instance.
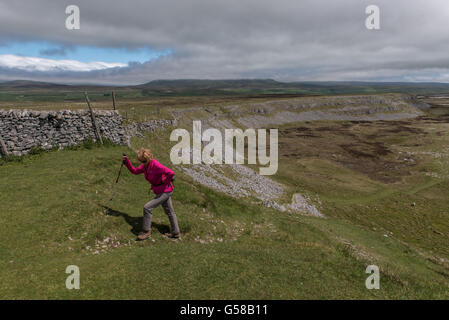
(116, 181)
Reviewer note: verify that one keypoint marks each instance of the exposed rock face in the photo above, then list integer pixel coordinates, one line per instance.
(299, 203)
(23, 130)
(137, 128)
(352, 108)
(239, 182)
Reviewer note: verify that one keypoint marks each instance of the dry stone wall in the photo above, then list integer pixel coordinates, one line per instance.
(23, 130)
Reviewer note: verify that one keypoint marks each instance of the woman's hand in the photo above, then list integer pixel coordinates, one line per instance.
(124, 158)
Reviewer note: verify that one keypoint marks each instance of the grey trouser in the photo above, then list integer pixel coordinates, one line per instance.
(163, 199)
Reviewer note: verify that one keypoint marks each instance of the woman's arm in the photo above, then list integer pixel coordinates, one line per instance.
(140, 169)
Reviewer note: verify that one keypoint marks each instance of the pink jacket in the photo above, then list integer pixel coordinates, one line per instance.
(159, 176)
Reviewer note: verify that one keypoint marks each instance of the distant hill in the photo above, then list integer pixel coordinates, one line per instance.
(26, 84)
(209, 84)
(235, 87)
(269, 86)
(200, 86)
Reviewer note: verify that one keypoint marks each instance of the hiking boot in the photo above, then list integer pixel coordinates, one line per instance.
(172, 235)
(144, 235)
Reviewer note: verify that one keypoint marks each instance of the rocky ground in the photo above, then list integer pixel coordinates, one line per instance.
(242, 181)
(245, 182)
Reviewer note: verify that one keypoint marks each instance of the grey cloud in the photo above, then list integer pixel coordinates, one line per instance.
(284, 39)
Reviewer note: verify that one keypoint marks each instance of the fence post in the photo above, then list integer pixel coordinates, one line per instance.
(3, 147)
(94, 121)
(113, 100)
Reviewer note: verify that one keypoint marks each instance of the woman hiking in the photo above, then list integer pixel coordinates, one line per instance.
(160, 178)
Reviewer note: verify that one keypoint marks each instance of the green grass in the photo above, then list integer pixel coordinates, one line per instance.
(52, 210)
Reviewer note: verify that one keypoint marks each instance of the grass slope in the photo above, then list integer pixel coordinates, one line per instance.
(52, 215)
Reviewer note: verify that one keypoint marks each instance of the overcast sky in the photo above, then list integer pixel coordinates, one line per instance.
(136, 41)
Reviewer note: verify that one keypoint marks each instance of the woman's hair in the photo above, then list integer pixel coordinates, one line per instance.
(144, 155)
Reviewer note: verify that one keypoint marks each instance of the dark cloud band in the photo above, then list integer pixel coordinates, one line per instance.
(284, 40)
